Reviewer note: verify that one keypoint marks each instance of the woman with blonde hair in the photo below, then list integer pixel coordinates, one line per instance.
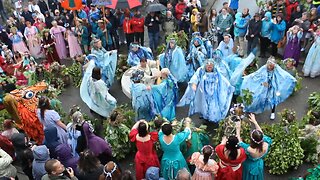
(17, 41)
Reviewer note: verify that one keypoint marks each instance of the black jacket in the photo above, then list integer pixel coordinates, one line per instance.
(155, 23)
(254, 28)
(43, 6)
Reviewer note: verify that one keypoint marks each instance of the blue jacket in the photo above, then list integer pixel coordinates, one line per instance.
(266, 25)
(241, 25)
(234, 4)
(277, 31)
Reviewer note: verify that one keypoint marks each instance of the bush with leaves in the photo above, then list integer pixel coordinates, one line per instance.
(122, 66)
(314, 102)
(117, 131)
(246, 97)
(285, 152)
(75, 71)
(3, 116)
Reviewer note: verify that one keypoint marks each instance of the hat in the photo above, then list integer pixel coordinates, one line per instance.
(217, 54)
(95, 40)
(4, 46)
(134, 44)
(92, 5)
(66, 25)
(57, 10)
(100, 21)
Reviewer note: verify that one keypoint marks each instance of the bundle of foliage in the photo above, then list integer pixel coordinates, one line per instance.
(3, 116)
(246, 98)
(285, 152)
(122, 66)
(310, 146)
(314, 103)
(117, 131)
(75, 71)
(181, 38)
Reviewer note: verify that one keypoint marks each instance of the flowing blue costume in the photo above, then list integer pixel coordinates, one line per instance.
(280, 86)
(239, 66)
(95, 93)
(196, 56)
(212, 97)
(134, 57)
(107, 62)
(165, 97)
(220, 64)
(142, 102)
(174, 60)
(312, 64)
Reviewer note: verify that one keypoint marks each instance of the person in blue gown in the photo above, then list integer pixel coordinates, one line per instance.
(220, 64)
(311, 66)
(142, 100)
(256, 151)
(165, 95)
(226, 46)
(172, 160)
(137, 52)
(173, 58)
(270, 86)
(196, 57)
(208, 93)
(94, 91)
(105, 60)
(206, 42)
(239, 65)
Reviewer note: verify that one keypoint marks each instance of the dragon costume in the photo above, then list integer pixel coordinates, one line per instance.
(22, 105)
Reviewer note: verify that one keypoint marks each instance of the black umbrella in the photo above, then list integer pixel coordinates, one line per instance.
(155, 7)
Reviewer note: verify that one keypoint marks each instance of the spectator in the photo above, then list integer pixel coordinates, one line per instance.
(43, 6)
(127, 29)
(113, 30)
(52, 141)
(153, 173)
(127, 175)
(180, 9)
(171, 8)
(6, 168)
(265, 34)
(194, 20)
(56, 170)
(240, 29)
(169, 24)
(64, 155)
(234, 5)
(138, 27)
(41, 156)
(7, 146)
(72, 131)
(224, 22)
(291, 6)
(203, 24)
(8, 128)
(184, 24)
(82, 35)
(212, 26)
(254, 32)
(278, 7)
(305, 24)
(89, 166)
(119, 14)
(3, 14)
(277, 32)
(33, 6)
(226, 6)
(152, 21)
(103, 33)
(50, 118)
(146, 156)
(54, 5)
(296, 14)
(256, 151)
(27, 15)
(183, 174)
(88, 140)
(111, 171)
(23, 153)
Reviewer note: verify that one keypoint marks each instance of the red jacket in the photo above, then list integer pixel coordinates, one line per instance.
(137, 24)
(127, 26)
(290, 7)
(180, 7)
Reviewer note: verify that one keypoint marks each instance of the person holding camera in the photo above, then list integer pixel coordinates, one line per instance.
(56, 170)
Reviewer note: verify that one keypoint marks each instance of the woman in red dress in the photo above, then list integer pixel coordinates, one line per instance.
(49, 47)
(231, 156)
(146, 155)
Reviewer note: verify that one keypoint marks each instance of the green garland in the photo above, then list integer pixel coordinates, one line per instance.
(75, 71)
(122, 66)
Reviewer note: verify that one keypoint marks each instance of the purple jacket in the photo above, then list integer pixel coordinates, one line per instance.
(64, 155)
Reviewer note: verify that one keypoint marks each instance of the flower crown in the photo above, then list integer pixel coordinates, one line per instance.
(109, 174)
(251, 136)
(212, 149)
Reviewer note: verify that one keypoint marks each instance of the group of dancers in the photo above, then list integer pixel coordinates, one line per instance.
(214, 78)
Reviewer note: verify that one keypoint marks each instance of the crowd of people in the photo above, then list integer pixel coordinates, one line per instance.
(218, 64)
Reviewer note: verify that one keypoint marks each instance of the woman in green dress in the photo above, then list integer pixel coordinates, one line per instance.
(172, 160)
(256, 151)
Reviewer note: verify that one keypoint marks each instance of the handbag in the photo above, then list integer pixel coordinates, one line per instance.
(282, 42)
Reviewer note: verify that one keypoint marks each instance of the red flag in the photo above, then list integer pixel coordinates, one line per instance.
(71, 4)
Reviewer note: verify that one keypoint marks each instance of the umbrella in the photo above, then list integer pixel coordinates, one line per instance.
(71, 4)
(155, 7)
(101, 2)
(122, 4)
